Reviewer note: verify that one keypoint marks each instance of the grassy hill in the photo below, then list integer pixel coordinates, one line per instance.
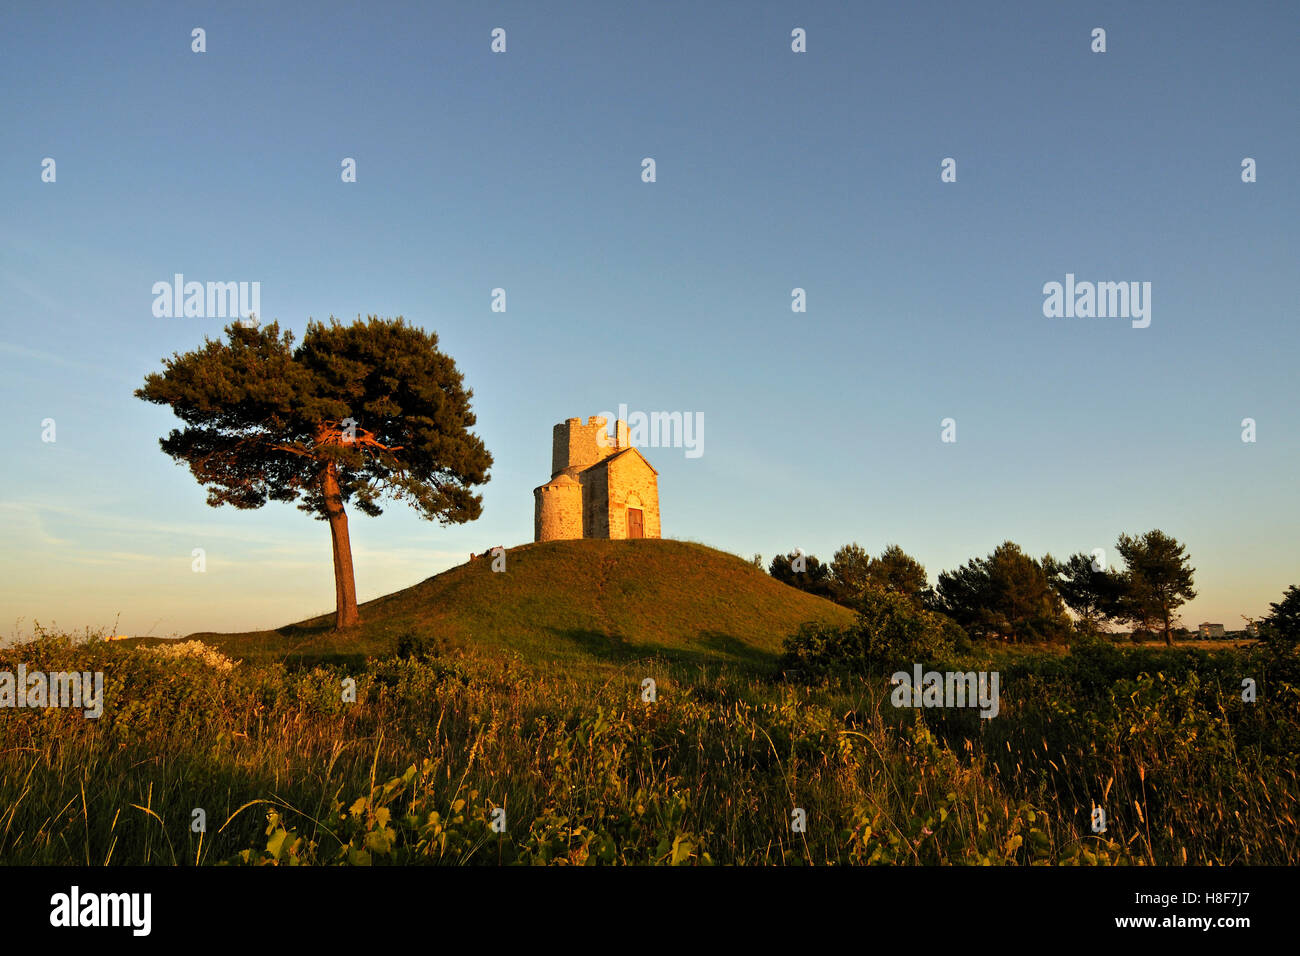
(572, 600)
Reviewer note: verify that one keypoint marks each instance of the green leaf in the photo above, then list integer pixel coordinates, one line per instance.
(683, 847)
(278, 844)
(378, 841)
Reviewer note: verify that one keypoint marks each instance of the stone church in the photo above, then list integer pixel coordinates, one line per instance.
(600, 487)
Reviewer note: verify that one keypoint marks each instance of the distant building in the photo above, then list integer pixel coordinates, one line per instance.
(600, 487)
(1212, 630)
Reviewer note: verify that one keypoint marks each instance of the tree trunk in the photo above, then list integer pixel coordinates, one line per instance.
(345, 585)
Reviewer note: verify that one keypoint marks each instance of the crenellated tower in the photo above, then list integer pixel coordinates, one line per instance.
(586, 496)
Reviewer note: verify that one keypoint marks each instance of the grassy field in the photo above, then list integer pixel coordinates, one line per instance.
(494, 746)
(570, 602)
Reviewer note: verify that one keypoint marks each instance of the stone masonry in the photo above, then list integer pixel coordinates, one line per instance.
(600, 487)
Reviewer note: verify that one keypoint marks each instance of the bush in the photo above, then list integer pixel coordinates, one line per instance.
(890, 632)
(417, 647)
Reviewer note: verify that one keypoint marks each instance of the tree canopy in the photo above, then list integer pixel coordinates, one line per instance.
(1006, 595)
(853, 571)
(1281, 628)
(1157, 580)
(1092, 593)
(802, 571)
(355, 414)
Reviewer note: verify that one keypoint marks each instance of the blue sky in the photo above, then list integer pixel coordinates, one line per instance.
(775, 170)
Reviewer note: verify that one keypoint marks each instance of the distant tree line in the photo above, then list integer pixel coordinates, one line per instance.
(1012, 596)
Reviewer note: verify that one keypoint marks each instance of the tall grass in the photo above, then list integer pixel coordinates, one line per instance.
(415, 770)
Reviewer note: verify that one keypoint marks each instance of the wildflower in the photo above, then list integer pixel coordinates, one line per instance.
(194, 649)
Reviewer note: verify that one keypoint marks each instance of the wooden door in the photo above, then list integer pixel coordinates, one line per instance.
(635, 528)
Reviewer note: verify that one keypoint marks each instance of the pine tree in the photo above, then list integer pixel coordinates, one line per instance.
(355, 414)
(1157, 579)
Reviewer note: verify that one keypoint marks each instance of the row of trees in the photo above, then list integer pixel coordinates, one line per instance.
(852, 572)
(1010, 595)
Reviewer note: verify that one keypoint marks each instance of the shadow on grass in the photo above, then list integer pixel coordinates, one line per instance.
(734, 647)
(315, 642)
(709, 646)
(297, 645)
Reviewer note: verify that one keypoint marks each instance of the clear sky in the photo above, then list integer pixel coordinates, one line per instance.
(775, 170)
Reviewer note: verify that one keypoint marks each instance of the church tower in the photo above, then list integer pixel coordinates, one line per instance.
(600, 487)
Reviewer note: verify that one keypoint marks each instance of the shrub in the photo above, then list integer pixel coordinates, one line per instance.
(417, 647)
(890, 631)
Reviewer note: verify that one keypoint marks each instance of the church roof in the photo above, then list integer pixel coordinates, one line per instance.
(618, 454)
